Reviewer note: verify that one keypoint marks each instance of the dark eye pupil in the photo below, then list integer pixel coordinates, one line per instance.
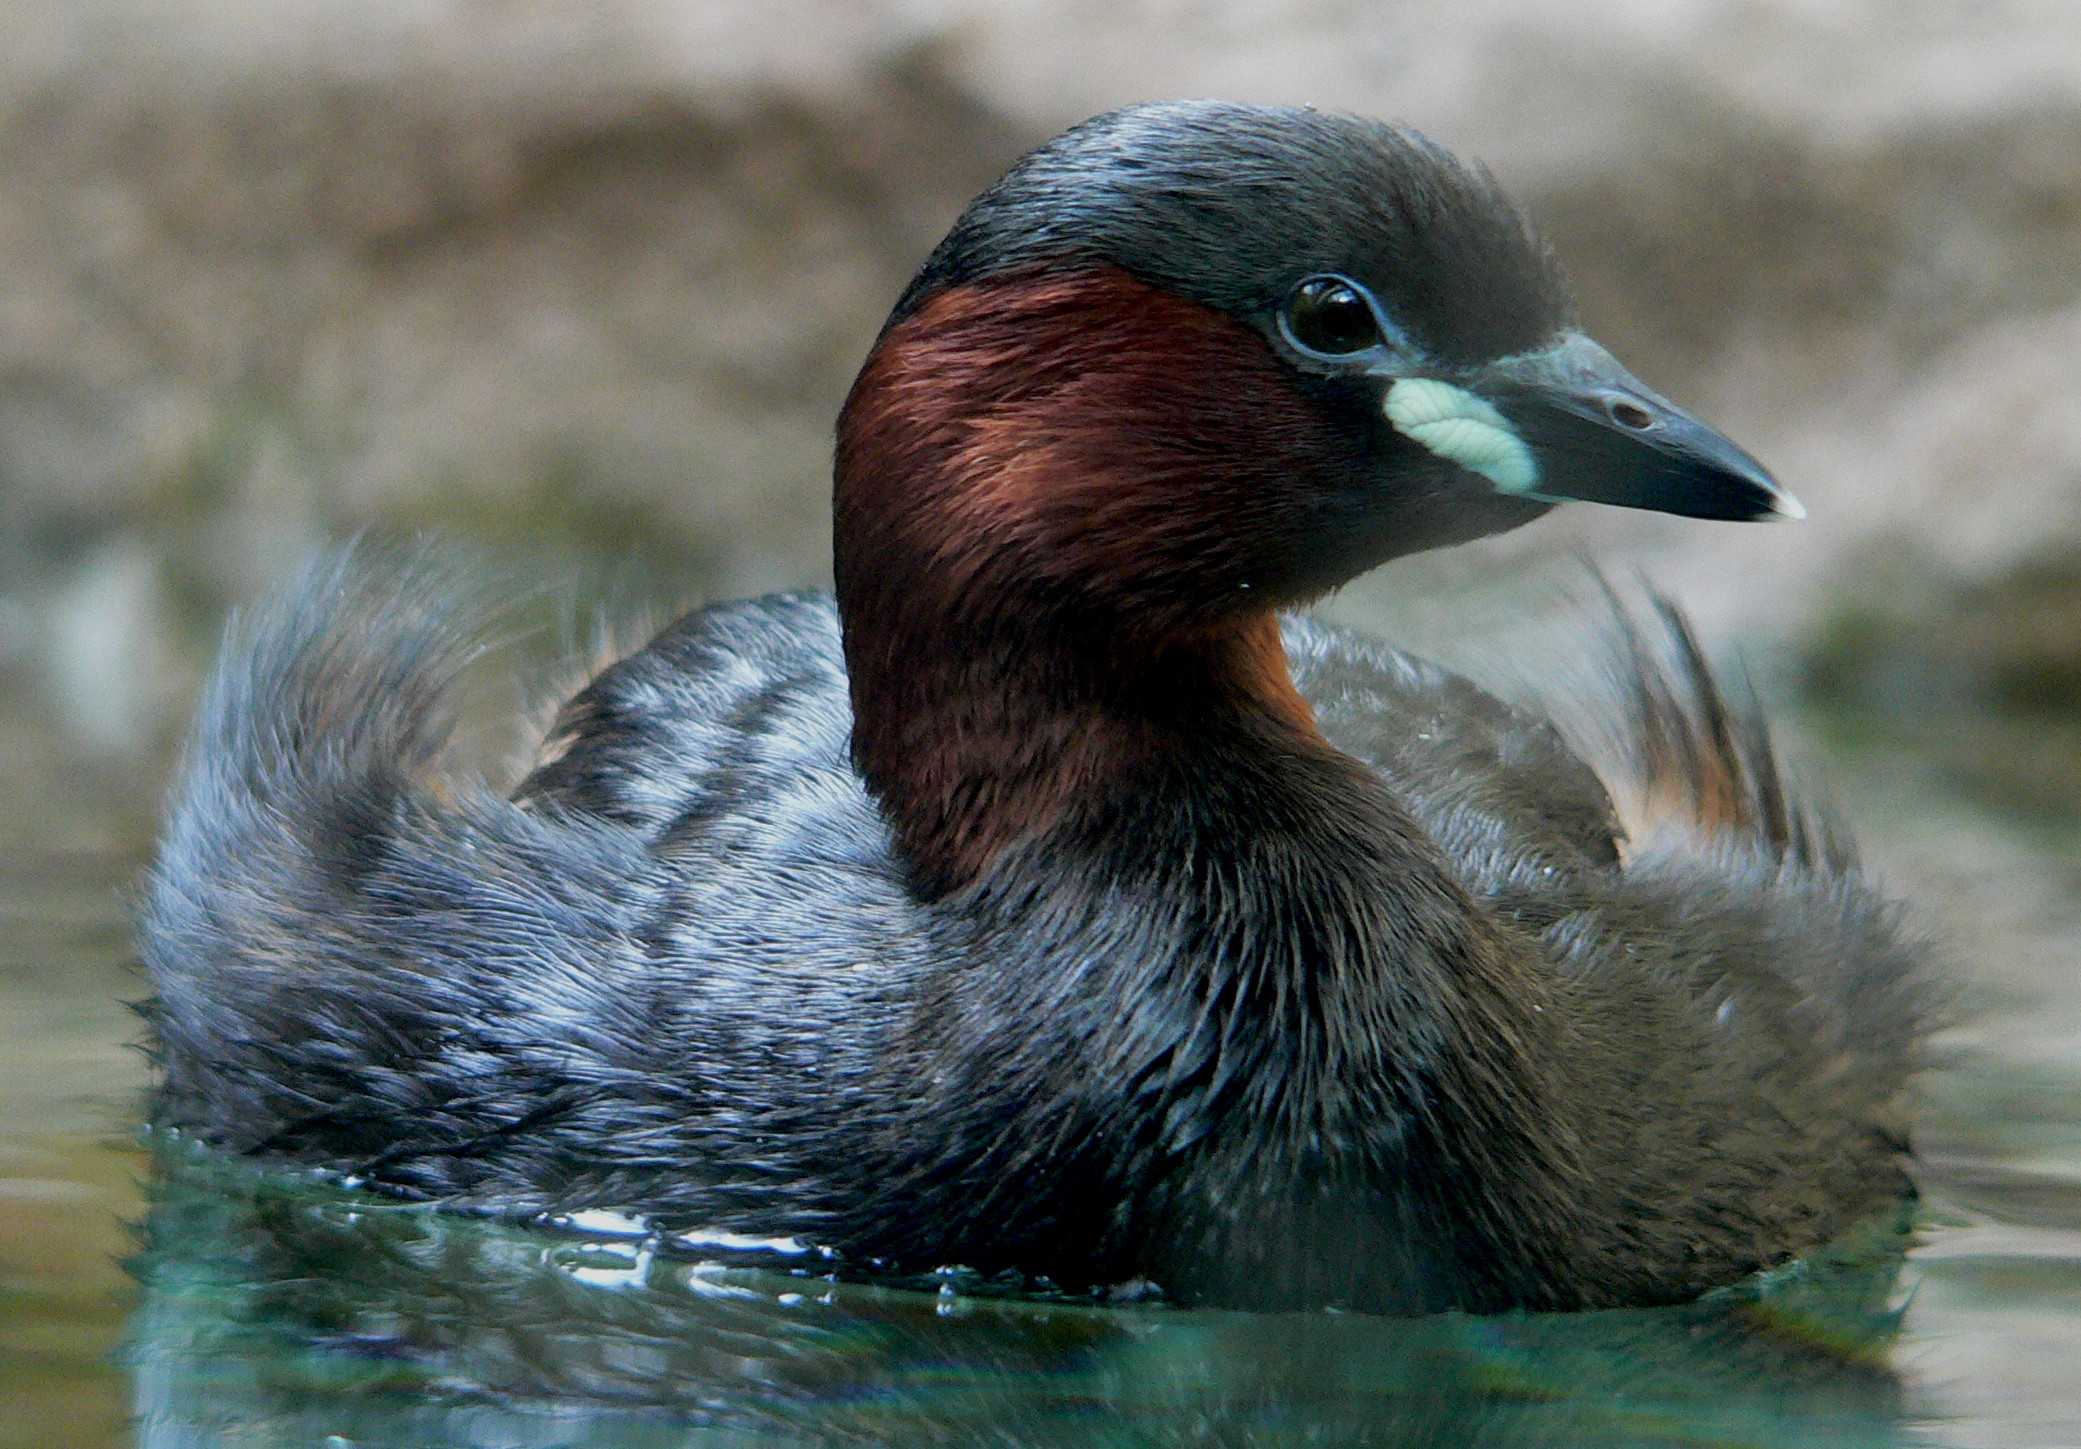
(1331, 317)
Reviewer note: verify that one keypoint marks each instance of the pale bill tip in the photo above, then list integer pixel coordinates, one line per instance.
(1784, 505)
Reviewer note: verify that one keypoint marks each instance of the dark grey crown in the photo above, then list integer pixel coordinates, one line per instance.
(1232, 204)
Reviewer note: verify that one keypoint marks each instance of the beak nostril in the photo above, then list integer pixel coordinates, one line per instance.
(1629, 414)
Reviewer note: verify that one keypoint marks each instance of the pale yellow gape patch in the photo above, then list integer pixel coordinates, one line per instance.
(1464, 429)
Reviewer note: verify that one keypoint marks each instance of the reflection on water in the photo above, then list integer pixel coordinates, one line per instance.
(288, 1311)
(260, 1311)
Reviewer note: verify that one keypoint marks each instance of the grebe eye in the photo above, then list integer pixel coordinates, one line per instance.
(1330, 316)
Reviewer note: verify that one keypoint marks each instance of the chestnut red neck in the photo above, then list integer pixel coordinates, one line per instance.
(1066, 509)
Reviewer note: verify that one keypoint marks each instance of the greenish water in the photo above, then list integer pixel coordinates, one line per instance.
(220, 1307)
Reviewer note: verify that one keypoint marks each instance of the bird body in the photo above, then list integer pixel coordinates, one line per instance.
(1050, 899)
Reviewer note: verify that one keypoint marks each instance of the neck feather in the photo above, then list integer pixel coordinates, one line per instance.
(975, 740)
(1057, 557)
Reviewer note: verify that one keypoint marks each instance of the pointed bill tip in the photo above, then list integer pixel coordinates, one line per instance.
(1597, 434)
(1784, 506)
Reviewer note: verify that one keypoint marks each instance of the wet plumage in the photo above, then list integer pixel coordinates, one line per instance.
(1046, 901)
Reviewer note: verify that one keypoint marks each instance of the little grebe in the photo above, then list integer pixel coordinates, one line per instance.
(1045, 900)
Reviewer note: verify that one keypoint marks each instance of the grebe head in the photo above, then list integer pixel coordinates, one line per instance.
(1210, 355)
(1184, 365)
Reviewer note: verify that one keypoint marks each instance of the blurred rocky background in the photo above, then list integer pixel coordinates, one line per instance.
(574, 283)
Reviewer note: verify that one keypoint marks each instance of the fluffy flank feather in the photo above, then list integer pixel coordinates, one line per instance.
(1702, 793)
(1697, 753)
(332, 926)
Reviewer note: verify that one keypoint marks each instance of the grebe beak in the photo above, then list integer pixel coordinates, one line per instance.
(1571, 424)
